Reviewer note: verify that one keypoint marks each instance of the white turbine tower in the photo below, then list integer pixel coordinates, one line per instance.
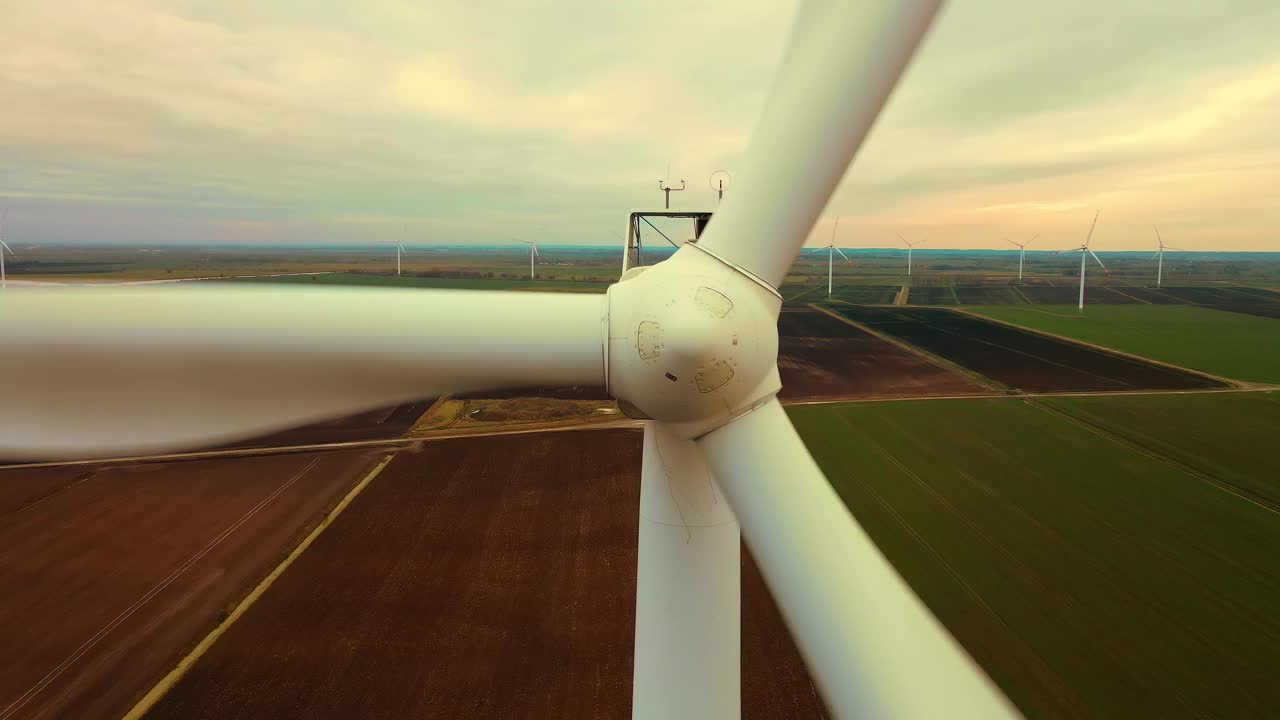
(1084, 253)
(3, 247)
(399, 251)
(1022, 252)
(831, 250)
(909, 247)
(533, 252)
(690, 344)
(1160, 248)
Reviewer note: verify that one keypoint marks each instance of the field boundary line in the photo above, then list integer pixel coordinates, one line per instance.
(69, 485)
(801, 293)
(1238, 384)
(1135, 297)
(173, 676)
(177, 572)
(390, 443)
(1019, 395)
(982, 380)
(1156, 455)
(901, 297)
(1018, 291)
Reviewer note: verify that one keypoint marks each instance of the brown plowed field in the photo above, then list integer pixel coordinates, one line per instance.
(33, 487)
(388, 422)
(109, 575)
(488, 577)
(820, 357)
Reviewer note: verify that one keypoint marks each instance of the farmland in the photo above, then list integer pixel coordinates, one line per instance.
(933, 295)
(1100, 294)
(112, 572)
(1251, 301)
(1227, 439)
(1091, 576)
(1234, 345)
(1017, 358)
(820, 356)
(861, 294)
(490, 577)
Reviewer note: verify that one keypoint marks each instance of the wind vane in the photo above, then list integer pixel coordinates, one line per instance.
(667, 187)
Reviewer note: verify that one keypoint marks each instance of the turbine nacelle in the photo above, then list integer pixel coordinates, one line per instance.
(692, 342)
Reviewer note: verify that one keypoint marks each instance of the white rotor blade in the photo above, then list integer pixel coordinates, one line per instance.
(872, 646)
(846, 257)
(1093, 224)
(1095, 257)
(688, 616)
(88, 372)
(842, 61)
(6, 247)
(1159, 240)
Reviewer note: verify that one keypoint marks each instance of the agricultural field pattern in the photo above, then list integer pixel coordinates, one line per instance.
(1087, 500)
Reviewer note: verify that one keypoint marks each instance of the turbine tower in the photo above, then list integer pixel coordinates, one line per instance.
(399, 250)
(1160, 248)
(3, 247)
(1084, 253)
(533, 252)
(689, 345)
(831, 250)
(909, 247)
(1022, 252)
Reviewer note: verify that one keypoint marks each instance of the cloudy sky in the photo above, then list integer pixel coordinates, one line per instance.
(325, 121)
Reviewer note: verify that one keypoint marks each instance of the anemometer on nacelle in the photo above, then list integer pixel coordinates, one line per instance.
(641, 229)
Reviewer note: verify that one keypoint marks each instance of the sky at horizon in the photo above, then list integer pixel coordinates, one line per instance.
(324, 122)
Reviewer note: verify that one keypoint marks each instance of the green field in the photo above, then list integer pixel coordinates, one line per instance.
(431, 282)
(1092, 575)
(1233, 345)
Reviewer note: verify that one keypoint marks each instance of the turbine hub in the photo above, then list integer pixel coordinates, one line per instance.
(692, 342)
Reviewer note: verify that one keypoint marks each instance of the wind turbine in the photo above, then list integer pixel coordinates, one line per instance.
(533, 252)
(399, 250)
(1022, 252)
(690, 345)
(831, 249)
(4, 246)
(1084, 252)
(1161, 247)
(909, 247)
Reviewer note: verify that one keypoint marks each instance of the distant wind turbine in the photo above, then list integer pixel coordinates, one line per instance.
(399, 250)
(1084, 252)
(3, 246)
(1160, 248)
(533, 252)
(1022, 248)
(909, 246)
(831, 250)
